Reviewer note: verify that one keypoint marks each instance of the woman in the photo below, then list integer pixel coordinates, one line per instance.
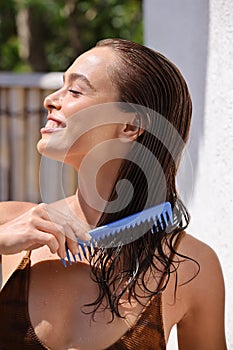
(120, 103)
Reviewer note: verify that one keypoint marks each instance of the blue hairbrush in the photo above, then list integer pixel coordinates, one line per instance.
(126, 230)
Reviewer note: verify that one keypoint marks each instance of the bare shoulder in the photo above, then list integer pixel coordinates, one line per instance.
(201, 287)
(200, 252)
(202, 265)
(198, 249)
(12, 209)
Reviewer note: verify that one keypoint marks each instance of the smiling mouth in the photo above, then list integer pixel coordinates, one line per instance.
(52, 126)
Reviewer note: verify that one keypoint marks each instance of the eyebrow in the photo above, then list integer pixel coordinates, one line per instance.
(77, 76)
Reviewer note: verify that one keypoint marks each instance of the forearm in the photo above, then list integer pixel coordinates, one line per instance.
(41, 225)
(11, 209)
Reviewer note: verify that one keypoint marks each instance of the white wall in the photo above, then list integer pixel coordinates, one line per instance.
(198, 37)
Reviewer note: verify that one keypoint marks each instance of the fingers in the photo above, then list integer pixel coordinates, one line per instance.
(72, 245)
(49, 233)
(43, 238)
(66, 229)
(73, 227)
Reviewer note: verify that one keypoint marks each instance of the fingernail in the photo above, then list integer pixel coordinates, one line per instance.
(63, 262)
(74, 257)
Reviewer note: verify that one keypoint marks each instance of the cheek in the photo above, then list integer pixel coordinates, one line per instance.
(85, 141)
(101, 134)
(70, 106)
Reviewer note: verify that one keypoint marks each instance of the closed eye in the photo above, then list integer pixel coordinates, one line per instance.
(75, 92)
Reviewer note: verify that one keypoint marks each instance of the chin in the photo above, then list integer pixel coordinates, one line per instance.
(51, 151)
(42, 146)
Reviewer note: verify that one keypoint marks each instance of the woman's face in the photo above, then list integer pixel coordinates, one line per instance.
(80, 114)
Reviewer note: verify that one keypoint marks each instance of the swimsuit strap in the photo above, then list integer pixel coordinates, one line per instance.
(25, 260)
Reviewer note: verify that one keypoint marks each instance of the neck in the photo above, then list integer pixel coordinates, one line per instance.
(94, 190)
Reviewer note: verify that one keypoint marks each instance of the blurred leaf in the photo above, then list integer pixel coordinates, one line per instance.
(63, 29)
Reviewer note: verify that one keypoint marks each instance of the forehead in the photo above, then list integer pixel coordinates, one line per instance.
(94, 64)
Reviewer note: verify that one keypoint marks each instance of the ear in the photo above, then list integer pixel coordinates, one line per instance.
(131, 130)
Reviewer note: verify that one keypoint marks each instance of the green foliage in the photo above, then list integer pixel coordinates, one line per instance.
(60, 30)
(8, 40)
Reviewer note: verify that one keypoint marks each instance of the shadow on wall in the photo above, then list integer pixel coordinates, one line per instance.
(179, 29)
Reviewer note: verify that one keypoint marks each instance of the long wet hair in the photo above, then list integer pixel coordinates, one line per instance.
(148, 80)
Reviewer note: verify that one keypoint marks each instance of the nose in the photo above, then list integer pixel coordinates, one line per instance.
(53, 101)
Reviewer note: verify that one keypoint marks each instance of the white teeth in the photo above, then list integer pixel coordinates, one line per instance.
(52, 124)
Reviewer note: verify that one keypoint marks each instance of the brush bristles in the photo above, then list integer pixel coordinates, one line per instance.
(130, 233)
(113, 235)
(124, 231)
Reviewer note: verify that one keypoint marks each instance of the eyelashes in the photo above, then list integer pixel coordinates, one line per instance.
(76, 93)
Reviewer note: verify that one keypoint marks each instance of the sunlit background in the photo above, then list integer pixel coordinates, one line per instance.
(40, 38)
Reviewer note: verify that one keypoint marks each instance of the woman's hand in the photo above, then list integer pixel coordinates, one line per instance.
(39, 226)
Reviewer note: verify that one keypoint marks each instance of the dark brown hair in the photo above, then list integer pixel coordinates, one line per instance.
(148, 80)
